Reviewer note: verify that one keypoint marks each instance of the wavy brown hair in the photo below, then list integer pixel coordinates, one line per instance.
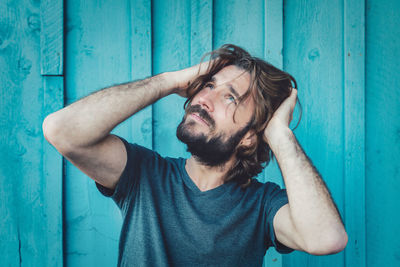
(269, 86)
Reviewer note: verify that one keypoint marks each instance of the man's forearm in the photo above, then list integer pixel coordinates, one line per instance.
(89, 120)
(312, 209)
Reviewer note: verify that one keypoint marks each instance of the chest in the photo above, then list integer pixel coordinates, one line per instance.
(195, 225)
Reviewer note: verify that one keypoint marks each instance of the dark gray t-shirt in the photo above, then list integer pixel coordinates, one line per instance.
(168, 221)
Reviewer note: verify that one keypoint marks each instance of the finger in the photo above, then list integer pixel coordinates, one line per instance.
(293, 93)
(204, 66)
(293, 97)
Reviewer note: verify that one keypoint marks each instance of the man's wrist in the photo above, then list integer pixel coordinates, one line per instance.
(279, 139)
(168, 83)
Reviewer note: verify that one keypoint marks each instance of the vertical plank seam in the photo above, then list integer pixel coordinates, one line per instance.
(344, 122)
(364, 2)
(212, 24)
(364, 15)
(150, 61)
(152, 68)
(63, 160)
(130, 54)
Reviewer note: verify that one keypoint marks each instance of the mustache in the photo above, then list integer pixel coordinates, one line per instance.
(202, 114)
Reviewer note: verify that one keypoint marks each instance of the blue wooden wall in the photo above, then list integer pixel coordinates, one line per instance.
(344, 55)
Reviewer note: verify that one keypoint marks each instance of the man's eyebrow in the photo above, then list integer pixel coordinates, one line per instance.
(233, 90)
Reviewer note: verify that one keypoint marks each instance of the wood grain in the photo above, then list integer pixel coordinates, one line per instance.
(354, 132)
(343, 55)
(314, 55)
(382, 133)
(171, 51)
(51, 37)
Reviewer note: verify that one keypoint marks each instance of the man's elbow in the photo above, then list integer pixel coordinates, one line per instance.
(333, 244)
(53, 134)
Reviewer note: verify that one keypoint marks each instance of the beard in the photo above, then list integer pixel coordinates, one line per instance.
(214, 151)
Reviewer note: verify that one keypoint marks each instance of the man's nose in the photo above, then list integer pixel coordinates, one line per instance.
(206, 100)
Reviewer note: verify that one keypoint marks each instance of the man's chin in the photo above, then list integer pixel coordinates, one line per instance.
(209, 151)
(194, 129)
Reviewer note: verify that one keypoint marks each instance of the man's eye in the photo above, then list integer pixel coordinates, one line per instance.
(210, 85)
(231, 98)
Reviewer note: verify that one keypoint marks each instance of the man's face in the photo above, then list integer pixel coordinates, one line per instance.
(208, 127)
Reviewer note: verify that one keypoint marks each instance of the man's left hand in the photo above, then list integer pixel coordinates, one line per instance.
(281, 118)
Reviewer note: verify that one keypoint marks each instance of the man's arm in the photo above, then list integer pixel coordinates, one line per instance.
(310, 221)
(81, 131)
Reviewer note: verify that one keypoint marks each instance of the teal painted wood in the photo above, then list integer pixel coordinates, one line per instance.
(171, 51)
(354, 131)
(382, 133)
(273, 24)
(10, 149)
(273, 33)
(200, 29)
(53, 100)
(98, 54)
(51, 63)
(141, 59)
(101, 41)
(314, 56)
(273, 46)
(239, 22)
(51, 37)
(23, 210)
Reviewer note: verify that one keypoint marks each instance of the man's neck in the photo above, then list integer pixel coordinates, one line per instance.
(206, 177)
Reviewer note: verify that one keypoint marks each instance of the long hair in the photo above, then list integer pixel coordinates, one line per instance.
(269, 86)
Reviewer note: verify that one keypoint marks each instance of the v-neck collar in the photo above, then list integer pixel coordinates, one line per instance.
(193, 187)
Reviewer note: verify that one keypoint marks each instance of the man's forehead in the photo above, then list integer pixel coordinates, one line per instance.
(236, 79)
(229, 85)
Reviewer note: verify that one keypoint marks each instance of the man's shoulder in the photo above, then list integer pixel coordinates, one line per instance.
(147, 156)
(264, 191)
(144, 152)
(257, 185)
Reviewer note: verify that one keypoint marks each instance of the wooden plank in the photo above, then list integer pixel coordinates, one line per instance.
(98, 52)
(273, 46)
(382, 133)
(26, 220)
(354, 131)
(10, 150)
(273, 35)
(141, 59)
(314, 56)
(239, 23)
(51, 63)
(171, 51)
(53, 100)
(51, 37)
(200, 29)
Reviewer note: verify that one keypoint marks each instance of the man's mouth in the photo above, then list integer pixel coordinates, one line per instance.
(198, 118)
(200, 115)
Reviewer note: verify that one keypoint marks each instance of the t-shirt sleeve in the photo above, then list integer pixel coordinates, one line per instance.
(276, 198)
(127, 185)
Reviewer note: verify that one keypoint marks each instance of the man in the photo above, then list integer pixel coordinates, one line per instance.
(207, 210)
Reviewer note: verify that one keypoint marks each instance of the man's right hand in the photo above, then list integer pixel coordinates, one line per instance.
(183, 78)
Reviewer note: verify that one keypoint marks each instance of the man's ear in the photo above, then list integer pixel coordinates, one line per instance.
(248, 139)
